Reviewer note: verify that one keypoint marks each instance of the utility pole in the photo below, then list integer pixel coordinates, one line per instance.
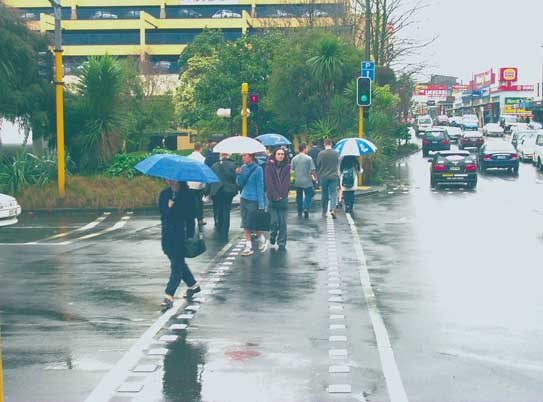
(244, 92)
(367, 28)
(59, 98)
(1, 373)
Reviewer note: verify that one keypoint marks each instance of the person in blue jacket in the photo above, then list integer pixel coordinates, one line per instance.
(250, 180)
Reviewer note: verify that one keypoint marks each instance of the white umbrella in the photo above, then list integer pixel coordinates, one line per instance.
(239, 145)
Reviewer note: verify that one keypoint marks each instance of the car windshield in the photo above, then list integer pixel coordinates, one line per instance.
(425, 121)
(500, 147)
(435, 134)
(471, 129)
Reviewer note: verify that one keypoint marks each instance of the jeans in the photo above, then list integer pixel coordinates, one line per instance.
(279, 211)
(222, 204)
(179, 270)
(301, 203)
(329, 193)
(348, 197)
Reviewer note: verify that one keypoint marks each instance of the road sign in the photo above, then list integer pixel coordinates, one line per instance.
(368, 70)
(363, 91)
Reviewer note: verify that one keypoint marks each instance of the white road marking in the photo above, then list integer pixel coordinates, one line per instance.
(339, 389)
(88, 226)
(339, 369)
(396, 390)
(335, 327)
(338, 352)
(118, 225)
(105, 390)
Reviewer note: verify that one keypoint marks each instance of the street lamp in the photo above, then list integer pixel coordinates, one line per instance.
(59, 97)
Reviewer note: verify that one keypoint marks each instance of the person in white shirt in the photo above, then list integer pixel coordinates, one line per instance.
(198, 188)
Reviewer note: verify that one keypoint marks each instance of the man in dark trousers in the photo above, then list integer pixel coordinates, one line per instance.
(223, 192)
(314, 152)
(328, 172)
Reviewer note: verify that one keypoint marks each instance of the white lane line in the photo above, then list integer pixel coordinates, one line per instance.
(88, 226)
(118, 225)
(105, 390)
(396, 390)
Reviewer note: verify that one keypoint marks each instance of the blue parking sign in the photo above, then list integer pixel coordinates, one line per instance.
(368, 70)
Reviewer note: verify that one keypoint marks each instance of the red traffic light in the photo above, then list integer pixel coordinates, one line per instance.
(253, 98)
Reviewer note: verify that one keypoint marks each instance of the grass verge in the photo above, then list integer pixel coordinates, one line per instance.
(93, 192)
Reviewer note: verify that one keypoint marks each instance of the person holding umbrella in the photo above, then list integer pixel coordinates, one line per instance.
(349, 168)
(251, 182)
(277, 179)
(178, 206)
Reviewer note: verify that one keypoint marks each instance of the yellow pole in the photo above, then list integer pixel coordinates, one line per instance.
(244, 92)
(360, 135)
(60, 122)
(1, 373)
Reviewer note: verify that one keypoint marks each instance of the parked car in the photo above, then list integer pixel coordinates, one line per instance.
(454, 133)
(442, 120)
(435, 140)
(498, 155)
(517, 136)
(471, 139)
(315, 13)
(423, 124)
(188, 13)
(132, 14)
(453, 167)
(526, 147)
(538, 151)
(493, 130)
(280, 14)
(226, 14)
(9, 210)
(104, 15)
(534, 125)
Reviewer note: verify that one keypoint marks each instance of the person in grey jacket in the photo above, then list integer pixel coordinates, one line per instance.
(223, 192)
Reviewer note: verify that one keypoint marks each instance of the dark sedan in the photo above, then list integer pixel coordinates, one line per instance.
(435, 139)
(498, 155)
(453, 167)
(471, 139)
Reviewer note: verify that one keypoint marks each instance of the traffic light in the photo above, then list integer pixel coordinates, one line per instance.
(253, 103)
(363, 91)
(46, 65)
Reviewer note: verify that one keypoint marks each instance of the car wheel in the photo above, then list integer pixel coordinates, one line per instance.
(515, 171)
(540, 164)
(482, 168)
(424, 153)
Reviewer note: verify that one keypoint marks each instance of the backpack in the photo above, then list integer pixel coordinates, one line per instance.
(347, 178)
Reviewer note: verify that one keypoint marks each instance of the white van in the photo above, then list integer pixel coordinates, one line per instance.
(423, 124)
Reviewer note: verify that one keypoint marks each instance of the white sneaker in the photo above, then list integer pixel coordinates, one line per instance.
(247, 252)
(262, 244)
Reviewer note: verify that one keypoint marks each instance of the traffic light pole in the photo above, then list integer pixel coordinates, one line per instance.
(361, 122)
(59, 99)
(1, 373)
(244, 92)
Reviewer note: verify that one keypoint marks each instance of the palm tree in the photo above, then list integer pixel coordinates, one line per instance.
(327, 64)
(100, 87)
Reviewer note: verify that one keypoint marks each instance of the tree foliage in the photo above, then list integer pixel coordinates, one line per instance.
(26, 97)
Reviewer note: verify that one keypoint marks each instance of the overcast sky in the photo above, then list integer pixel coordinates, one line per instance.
(475, 35)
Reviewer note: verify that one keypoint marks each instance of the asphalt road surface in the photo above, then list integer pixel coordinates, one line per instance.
(424, 295)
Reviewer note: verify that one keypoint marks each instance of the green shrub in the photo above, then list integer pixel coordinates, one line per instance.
(25, 169)
(123, 164)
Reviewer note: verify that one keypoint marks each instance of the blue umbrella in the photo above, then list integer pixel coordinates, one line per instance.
(355, 147)
(273, 140)
(176, 167)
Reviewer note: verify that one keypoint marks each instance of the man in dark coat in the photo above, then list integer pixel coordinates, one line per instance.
(223, 192)
(178, 210)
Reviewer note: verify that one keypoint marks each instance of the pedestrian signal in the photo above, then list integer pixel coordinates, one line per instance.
(253, 103)
(363, 91)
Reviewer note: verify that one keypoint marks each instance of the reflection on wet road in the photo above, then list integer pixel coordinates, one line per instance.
(455, 275)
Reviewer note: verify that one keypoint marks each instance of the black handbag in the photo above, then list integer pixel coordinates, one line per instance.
(196, 245)
(261, 220)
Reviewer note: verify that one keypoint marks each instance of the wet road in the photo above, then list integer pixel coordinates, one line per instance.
(447, 307)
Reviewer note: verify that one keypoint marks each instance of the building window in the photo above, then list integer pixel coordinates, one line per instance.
(226, 11)
(33, 14)
(182, 36)
(101, 37)
(115, 13)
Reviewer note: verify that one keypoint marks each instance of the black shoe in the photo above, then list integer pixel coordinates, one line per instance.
(299, 214)
(166, 305)
(282, 248)
(306, 214)
(273, 238)
(192, 292)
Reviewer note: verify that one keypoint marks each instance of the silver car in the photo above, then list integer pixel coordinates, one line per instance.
(9, 210)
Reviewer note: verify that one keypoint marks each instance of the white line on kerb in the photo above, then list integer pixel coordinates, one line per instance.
(105, 390)
(396, 390)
